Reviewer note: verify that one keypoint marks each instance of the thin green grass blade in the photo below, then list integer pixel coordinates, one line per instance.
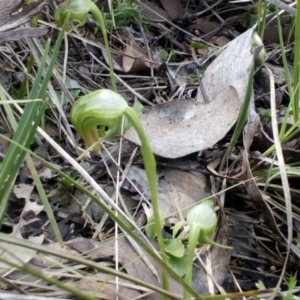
(287, 75)
(24, 86)
(287, 136)
(110, 5)
(38, 78)
(295, 98)
(39, 186)
(291, 31)
(15, 156)
(40, 93)
(52, 281)
(241, 120)
(284, 135)
(24, 132)
(261, 19)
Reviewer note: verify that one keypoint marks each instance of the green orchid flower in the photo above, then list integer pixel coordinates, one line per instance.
(100, 114)
(203, 221)
(78, 11)
(204, 218)
(257, 43)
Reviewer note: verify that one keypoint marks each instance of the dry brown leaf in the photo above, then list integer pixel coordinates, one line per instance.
(135, 65)
(127, 258)
(136, 60)
(231, 67)
(154, 13)
(173, 8)
(205, 26)
(14, 253)
(187, 187)
(10, 19)
(180, 127)
(23, 191)
(250, 184)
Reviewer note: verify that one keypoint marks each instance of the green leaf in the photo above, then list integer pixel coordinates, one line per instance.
(176, 228)
(174, 247)
(164, 54)
(178, 264)
(198, 46)
(150, 228)
(265, 113)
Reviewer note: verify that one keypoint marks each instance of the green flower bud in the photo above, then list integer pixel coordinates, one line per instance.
(203, 215)
(256, 43)
(204, 218)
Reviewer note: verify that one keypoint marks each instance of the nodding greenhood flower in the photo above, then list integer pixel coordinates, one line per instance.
(78, 10)
(98, 114)
(105, 109)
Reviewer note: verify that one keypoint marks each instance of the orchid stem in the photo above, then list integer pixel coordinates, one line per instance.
(150, 167)
(192, 243)
(99, 18)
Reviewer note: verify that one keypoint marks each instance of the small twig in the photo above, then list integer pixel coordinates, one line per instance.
(210, 7)
(147, 47)
(199, 66)
(189, 18)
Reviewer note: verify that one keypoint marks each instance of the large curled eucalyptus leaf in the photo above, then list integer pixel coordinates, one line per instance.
(150, 228)
(225, 83)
